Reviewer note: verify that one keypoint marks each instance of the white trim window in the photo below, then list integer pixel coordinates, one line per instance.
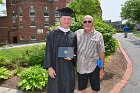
(13, 2)
(20, 12)
(32, 12)
(46, 22)
(46, 12)
(20, 19)
(20, 25)
(14, 23)
(56, 13)
(33, 24)
(21, 37)
(57, 20)
(33, 38)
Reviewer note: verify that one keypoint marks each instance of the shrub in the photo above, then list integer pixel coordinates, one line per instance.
(2, 60)
(34, 55)
(107, 31)
(33, 78)
(4, 73)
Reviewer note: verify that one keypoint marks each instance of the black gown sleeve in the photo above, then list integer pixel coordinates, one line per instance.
(48, 51)
(75, 49)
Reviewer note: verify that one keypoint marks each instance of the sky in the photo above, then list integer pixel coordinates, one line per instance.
(111, 9)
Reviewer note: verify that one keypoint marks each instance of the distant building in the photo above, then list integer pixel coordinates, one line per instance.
(107, 21)
(29, 20)
(117, 24)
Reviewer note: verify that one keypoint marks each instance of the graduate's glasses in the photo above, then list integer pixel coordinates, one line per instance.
(86, 22)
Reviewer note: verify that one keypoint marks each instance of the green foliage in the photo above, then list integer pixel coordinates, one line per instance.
(34, 55)
(107, 31)
(137, 35)
(4, 73)
(2, 60)
(18, 62)
(22, 57)
(77, 25)
(131, 10)
(12, 53)
(18, 70)
(86, 7)
(130, 25)
(1, 1)
(33, 78)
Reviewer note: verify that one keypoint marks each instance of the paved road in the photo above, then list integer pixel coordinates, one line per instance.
(132, 47)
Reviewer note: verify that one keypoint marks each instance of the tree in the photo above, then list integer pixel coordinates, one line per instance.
(86, 7)
(131, 10)
(1, 1)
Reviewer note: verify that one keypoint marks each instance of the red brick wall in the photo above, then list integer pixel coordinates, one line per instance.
(26, 31)
(3, 29)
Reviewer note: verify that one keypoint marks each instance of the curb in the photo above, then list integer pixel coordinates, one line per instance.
(117, 88)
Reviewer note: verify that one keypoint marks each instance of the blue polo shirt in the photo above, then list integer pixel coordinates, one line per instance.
(126, 29)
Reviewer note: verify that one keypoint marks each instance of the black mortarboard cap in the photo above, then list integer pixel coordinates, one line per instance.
(66, 11)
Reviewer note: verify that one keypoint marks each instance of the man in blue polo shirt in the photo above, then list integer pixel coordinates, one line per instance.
(126, 29)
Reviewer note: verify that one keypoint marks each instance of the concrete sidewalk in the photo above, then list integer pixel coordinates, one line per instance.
(8, 90)
(131, 45)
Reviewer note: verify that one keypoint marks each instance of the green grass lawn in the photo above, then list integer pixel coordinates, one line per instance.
(137, 35)
(13, 52)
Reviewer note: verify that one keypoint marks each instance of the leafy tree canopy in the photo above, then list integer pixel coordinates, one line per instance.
(131, 10)
(1, 1)
(86, 7)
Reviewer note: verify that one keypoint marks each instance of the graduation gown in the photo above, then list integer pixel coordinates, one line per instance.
(65, 74)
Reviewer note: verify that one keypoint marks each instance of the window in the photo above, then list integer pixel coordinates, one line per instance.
(57, 20)
(20, 25)
(46, 22)
(50, 1)
(20, 19)
(33, 24)
(46, 13)
(32, 12)
(14, 14)
(33, 37)
(14, 24)
(56, 13)
(21, 37)
(13, 2)
(20, 12)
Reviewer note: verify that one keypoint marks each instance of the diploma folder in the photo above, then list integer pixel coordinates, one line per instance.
(65, 52)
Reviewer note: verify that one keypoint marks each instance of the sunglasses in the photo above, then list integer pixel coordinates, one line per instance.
(86, 21)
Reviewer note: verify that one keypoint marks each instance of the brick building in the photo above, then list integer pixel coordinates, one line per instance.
(29, 20)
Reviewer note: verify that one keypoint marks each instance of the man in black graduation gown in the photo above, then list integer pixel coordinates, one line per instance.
(61, 69)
